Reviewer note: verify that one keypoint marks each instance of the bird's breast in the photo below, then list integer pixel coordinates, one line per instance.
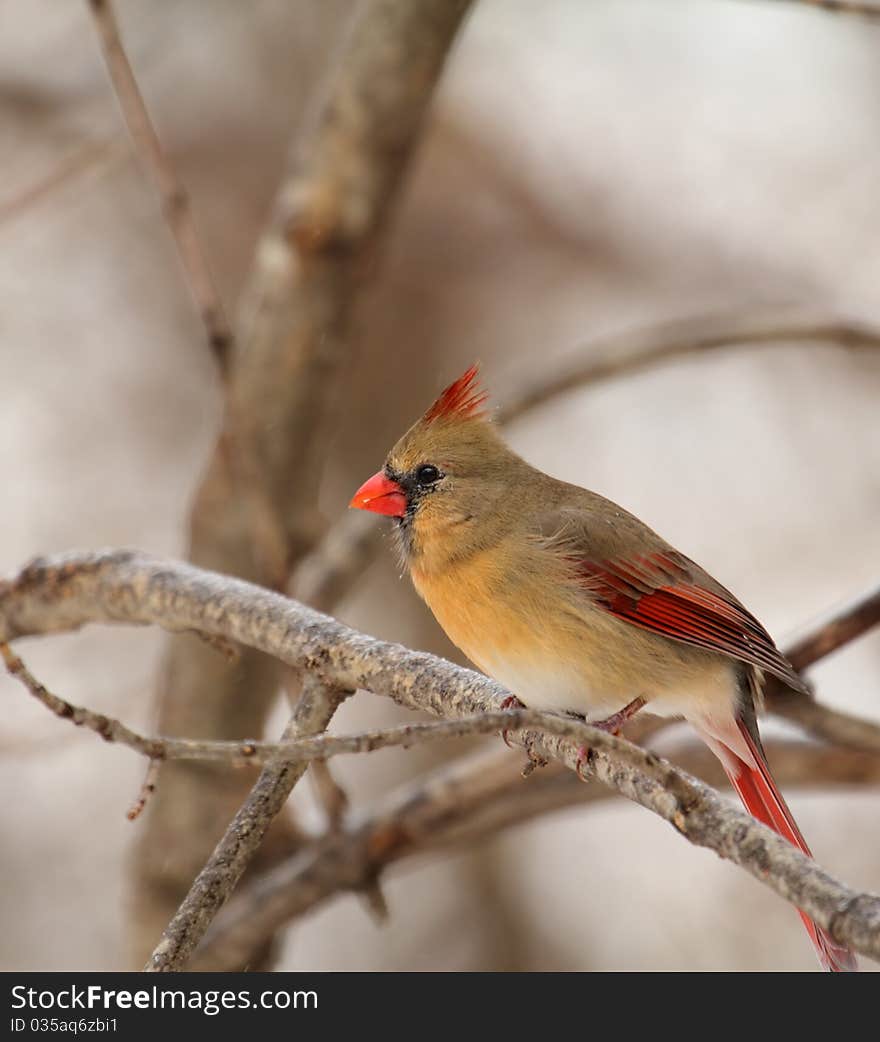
(518, 626)
(520, 623)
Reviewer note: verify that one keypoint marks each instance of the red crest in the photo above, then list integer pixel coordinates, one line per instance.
(462, 399)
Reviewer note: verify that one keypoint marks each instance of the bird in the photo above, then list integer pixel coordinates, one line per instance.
(574, 604)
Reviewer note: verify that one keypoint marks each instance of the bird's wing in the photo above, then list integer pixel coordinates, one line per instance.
(659, 589)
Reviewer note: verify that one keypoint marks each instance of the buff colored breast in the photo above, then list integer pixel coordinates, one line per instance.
(561, 652)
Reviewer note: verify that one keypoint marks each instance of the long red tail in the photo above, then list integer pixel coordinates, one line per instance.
(764, 801)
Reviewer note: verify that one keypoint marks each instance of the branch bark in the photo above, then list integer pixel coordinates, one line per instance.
(254, 514)
(64, 593)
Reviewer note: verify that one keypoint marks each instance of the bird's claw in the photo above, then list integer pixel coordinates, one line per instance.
(584, 755)
(511, 702)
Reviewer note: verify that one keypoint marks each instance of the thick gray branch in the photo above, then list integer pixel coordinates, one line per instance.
(68, 591)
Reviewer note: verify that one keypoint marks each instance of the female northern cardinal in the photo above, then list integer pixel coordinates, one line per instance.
(574, 604)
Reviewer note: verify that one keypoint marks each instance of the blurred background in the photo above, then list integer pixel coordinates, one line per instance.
(586, 169)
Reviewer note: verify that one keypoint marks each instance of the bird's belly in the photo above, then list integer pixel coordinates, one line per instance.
(554, 685)
(707, 693)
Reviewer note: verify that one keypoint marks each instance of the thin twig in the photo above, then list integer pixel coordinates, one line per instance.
(95, 153)
(224, 868)
(314, 750)
(147, 790)
(109, 729)
(173, 196)
(68, 591)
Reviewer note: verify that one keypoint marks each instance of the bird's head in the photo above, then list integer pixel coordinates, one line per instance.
(445, 479)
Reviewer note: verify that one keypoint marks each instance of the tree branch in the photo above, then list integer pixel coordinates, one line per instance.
(622, 354)
(856, 7)
(838, 628)
(289, 751)
(71, 590)
(317, 704)
(293, 343)
(151, 780)
(173, 196)
(455, 806)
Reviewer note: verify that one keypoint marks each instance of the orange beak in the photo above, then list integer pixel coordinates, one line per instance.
(381, 495)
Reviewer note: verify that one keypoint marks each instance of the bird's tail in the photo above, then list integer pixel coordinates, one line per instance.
(764, 801)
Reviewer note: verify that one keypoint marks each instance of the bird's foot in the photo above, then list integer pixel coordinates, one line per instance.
(611, 725)
(535, 760)
(511, 702)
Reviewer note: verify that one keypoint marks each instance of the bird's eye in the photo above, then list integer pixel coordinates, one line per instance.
(427, 474)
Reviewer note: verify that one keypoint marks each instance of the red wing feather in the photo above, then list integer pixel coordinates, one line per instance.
(661, 592)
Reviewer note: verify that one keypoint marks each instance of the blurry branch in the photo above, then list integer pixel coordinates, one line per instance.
(625, 353)
(172, 194)
(349, 547)
(66, 592)
(457, 806)
(832, 725)
(325, 577)
(827, 635)
(837, 628)
(330, 220)
(255, 511)
(867, 10)
(330, 794)
(94, 153)
(213, 885)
